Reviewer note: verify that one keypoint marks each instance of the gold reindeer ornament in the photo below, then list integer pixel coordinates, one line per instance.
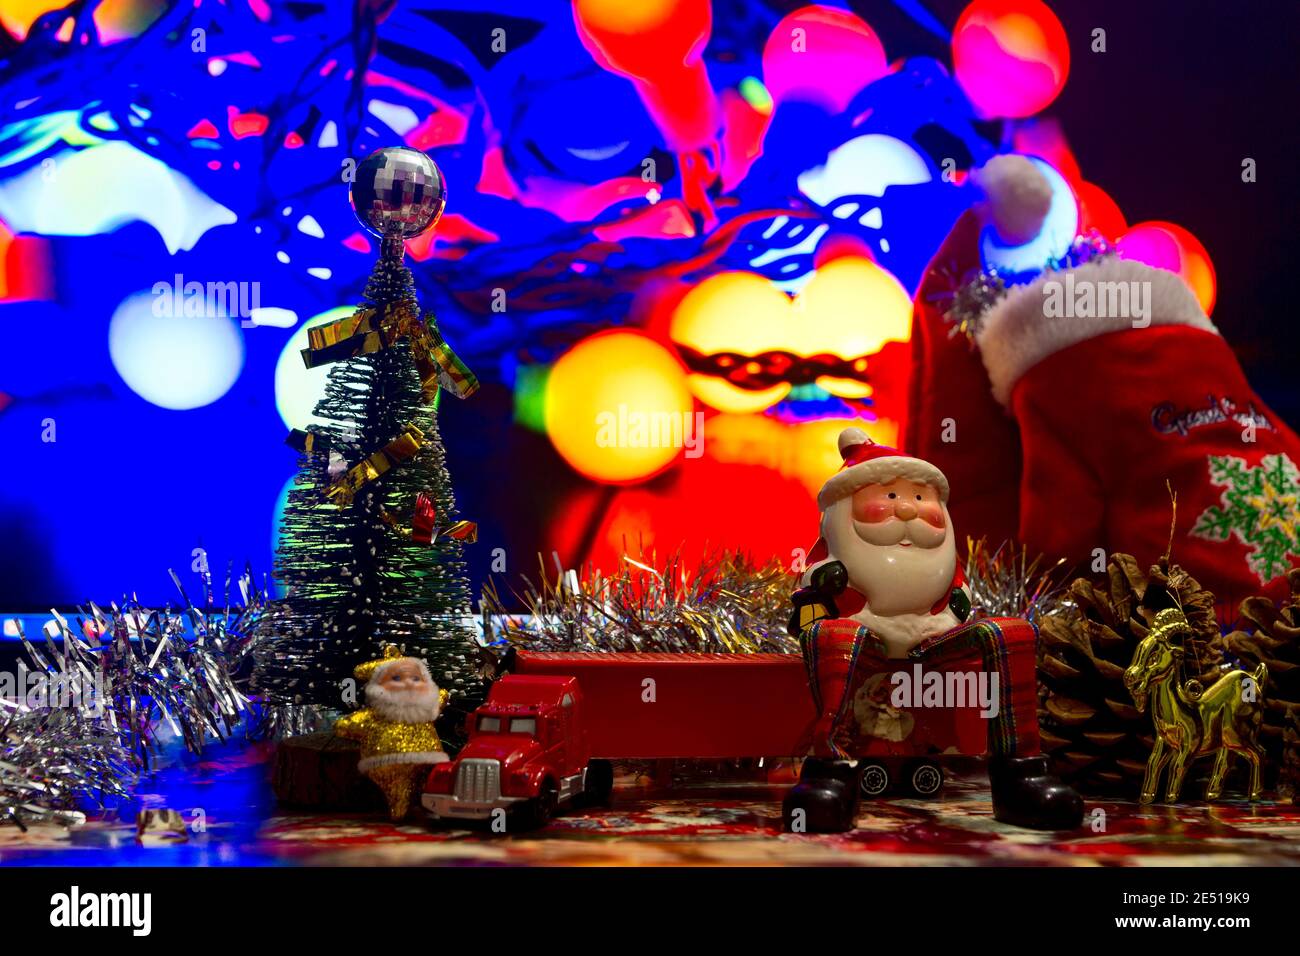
(1191, 721)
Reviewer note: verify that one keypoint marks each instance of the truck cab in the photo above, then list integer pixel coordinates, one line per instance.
(527, 754)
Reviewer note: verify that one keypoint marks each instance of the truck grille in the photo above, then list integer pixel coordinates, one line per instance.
(478, 781)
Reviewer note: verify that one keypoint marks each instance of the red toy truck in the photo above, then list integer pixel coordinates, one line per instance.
(547, 732)
(527, 754)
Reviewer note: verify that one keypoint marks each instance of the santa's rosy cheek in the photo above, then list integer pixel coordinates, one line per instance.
(931, 513)
(873, 511)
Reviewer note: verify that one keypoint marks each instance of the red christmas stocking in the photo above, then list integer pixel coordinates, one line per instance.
(1120, 383)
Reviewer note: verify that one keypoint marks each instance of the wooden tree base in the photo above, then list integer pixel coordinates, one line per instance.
(319, 772)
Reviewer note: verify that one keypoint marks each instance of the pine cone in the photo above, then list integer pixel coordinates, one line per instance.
(1095, 737)
(1288, 781)
(1275, 641)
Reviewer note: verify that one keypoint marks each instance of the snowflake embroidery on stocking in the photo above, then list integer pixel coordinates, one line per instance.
(1261, 506)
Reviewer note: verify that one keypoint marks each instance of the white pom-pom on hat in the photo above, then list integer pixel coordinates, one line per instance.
(850, 437)
(1018, 196)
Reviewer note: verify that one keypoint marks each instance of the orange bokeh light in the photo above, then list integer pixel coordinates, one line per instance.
(754, 491)
(851, 308)
(659, 44)
(617, 408)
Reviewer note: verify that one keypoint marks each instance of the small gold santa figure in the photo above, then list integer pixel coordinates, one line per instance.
(399, 742)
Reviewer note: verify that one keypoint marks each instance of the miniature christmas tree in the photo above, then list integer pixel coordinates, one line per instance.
(356, 575)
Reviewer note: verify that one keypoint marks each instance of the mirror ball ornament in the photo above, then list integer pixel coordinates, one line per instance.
(398, 193)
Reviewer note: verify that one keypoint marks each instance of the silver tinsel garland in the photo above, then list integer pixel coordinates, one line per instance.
(1006, 582)
(977, 293)
(89, 724)
(725, 603)
(54, 759)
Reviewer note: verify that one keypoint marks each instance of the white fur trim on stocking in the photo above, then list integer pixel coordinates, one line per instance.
(1015, 335)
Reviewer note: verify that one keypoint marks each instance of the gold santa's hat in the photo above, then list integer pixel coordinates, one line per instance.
(370, 670)
(363, 672)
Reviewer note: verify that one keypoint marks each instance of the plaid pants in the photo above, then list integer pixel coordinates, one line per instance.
(841, 655)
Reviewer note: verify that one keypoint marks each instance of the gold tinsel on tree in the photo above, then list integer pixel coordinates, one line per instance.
(1094, 735)
(1275, 641)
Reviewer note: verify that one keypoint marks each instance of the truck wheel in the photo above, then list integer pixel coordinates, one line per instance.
(875, 780)
(925, 778)
(599, 783)
(538, 811)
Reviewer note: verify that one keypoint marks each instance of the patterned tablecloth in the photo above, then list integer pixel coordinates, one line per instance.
(234, 821)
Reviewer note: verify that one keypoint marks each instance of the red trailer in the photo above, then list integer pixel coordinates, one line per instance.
(548, 730)
(651, 706)
(723, 706)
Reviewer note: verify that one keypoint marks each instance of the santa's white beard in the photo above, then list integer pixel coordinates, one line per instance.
(893, 577)
(416, 706)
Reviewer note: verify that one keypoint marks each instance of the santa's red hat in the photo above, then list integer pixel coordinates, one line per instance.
(866, 463)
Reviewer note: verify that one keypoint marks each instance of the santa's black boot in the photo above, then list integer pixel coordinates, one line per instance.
(1026, 794)
(825, 800)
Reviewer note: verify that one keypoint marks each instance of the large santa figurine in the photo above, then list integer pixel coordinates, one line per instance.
(883, 584)
(885, 521)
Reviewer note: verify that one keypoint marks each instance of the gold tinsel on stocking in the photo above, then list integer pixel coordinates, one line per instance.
(1275, 641)
(1093, 734)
